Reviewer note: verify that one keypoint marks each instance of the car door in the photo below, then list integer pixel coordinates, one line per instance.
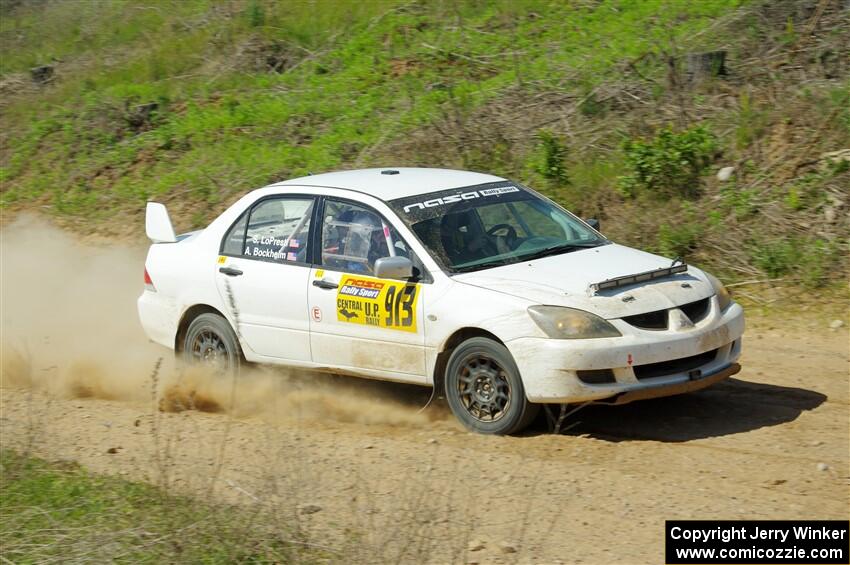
(358, 321)
(263, 272)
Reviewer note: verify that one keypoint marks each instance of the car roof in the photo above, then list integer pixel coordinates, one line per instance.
(382, 184)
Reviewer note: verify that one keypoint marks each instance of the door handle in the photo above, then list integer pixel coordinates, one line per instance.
(325, 284)
(229, 271)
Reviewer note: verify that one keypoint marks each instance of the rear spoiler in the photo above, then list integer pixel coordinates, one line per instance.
(158, 225)
(617, 282)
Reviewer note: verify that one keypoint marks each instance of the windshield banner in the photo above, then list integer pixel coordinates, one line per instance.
(434, 204)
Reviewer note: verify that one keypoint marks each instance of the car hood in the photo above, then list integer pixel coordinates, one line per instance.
(564, 280)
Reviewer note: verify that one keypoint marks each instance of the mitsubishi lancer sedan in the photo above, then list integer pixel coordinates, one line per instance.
(464, 281)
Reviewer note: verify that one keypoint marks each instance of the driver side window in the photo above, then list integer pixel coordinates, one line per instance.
(354, 237)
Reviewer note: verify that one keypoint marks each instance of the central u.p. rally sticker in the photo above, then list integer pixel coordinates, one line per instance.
(377, 302)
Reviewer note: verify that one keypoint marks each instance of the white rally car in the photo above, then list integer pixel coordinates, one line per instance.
(464, 281)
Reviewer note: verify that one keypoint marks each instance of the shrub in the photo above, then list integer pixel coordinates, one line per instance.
(744, 202)
(776, 258)
(592, 107)
(553, 154)
(668, 165)
(256, 14)
(752, 122)
(679, 240)
(793, 200)
(813, 261)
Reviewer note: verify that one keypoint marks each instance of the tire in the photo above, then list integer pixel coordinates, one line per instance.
(211, 342)
(484, 389)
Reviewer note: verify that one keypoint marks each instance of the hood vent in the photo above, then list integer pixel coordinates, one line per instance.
(637, 278)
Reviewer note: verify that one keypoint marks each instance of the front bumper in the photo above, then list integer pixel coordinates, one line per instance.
(550, 367)
(676, 388)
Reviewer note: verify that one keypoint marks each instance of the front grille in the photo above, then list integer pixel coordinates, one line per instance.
(696, 311)
(674, 366)
(596, 376)
(650, 321)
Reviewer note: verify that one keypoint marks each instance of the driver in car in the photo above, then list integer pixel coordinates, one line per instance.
(362, 237)
(464, 238)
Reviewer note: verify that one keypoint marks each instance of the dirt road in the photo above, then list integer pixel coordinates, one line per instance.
(356, 467)
(755, 447)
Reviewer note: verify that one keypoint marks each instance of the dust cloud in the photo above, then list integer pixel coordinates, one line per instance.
(70, 329)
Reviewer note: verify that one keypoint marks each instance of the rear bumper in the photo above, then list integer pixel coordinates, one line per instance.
(551, 368)
(157, 318)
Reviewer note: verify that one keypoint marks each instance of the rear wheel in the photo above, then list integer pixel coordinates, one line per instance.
(212, 343)
(484, 389)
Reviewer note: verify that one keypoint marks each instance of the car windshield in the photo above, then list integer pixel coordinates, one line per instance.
(493, 224)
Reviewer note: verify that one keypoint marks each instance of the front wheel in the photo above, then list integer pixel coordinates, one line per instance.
(484, 389)
(211, 342)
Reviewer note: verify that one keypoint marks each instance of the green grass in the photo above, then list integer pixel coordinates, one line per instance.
(365, 73)
(60, 511)
(249, 92)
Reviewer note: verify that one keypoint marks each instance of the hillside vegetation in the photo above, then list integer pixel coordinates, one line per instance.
(605, 105)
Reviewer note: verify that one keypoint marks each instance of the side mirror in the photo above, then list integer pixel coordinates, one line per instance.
(394, 268)
(592, 222)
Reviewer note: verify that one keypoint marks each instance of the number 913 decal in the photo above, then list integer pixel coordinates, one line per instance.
(377, 302)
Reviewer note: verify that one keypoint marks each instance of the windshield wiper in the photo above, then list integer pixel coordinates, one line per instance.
(558, 249)
(545, 252)
(484, 265)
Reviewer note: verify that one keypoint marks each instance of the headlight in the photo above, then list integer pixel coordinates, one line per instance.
(723, 296)
(559, 322)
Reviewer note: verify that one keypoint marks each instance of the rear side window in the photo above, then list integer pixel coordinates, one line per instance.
(275, 229)
(234, 241)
